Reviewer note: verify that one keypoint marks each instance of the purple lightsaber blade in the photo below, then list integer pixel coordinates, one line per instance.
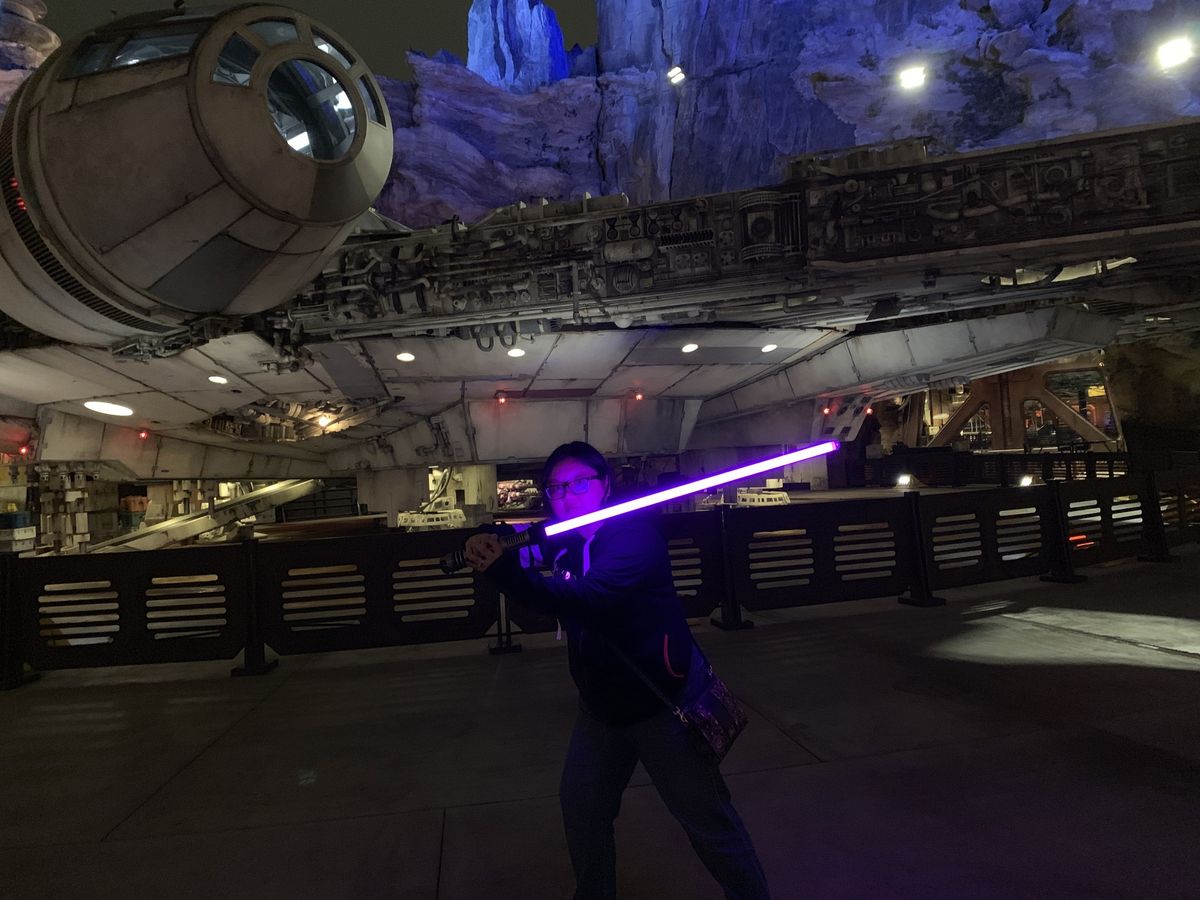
(692, 487)
(457, 560)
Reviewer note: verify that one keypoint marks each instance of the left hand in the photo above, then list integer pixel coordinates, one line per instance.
(482, 550)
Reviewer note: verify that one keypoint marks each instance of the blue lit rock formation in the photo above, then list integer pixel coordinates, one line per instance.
(766, 79)
(516, 44)
(24, 43)
(464, 147)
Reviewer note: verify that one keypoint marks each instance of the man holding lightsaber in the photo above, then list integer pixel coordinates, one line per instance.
(613, 591)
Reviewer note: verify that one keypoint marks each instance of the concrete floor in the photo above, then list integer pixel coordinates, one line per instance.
(1028, 740)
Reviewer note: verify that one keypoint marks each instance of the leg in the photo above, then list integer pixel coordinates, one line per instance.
(694, 791)
(599, 764)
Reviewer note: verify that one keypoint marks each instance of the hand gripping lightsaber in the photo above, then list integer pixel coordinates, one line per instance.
(455, 561)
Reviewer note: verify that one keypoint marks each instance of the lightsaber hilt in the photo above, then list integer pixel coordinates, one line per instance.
(513, 540)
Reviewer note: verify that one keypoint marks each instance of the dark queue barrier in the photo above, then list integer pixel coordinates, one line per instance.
(386, 589)
(988, 535)
(808, 553)
(115, 609)
(376, 590)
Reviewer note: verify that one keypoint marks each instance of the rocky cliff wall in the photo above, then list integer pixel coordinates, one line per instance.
(766, 79)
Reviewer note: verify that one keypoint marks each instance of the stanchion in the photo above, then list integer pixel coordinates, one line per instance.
(12, 632)
(1062, 569)
(504, 633)
(919, 593)
(730, 618)
(1153, 527)
(254, 660)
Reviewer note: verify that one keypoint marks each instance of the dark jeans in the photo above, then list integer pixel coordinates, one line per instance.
(599, 764)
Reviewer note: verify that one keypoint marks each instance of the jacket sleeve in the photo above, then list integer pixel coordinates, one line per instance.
(622, 562)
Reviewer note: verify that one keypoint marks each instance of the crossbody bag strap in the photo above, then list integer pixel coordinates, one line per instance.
(636, 669)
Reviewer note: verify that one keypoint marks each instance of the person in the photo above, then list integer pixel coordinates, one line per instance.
(612, 587)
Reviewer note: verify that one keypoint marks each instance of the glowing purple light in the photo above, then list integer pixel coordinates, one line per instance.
(692, 487)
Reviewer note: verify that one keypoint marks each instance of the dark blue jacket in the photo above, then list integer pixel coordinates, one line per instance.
(627, 596)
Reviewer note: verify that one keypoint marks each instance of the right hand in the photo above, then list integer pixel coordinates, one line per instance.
(482, 550)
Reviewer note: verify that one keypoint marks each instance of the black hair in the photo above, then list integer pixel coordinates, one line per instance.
(577, 450)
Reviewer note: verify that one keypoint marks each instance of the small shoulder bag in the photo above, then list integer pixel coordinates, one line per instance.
(714, 719)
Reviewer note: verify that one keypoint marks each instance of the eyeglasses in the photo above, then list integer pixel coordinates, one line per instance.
(576, 485)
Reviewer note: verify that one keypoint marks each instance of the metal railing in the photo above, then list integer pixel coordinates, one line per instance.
(385, 589)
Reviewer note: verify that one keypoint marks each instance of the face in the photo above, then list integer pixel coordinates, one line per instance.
(571, 504)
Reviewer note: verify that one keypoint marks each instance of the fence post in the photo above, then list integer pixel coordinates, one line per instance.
(1153, 526)
(1005, 476)
(919, 593)
(730, 618)
(504, 633)
(12, 632)
(254, 661)
(1062, 570)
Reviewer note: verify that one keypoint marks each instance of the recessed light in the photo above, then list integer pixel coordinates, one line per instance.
(218, 379)
(405, 356)
(767, 348)
(108, 409)
(516, 352)
(690, 348)
(912, 77)
(324, 420)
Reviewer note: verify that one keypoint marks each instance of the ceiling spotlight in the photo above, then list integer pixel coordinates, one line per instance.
(108, 409)
(903, 480)
(639, 396)
(912, 77)
(516, 352)
(690, 348)
(870, 410)
(676, 75)
(827, 410)
(500, 398)
(218, 379)
(142, 435)
(1026, 481)
(1175, 52)
(324, 421)
(405, 356)
(767, 348)
(23, 450)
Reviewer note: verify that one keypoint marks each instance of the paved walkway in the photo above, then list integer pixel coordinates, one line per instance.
(1028, 740)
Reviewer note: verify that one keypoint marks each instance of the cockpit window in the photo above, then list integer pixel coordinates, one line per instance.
(148, 46)
(370, 99)
(92, 56)
(236, 62)
(326, 45)
(311, 110)
(144, 46)
(275, 31)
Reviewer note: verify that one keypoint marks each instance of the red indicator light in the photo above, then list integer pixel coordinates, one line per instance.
(826, 411)
(143, 435)
(13, 183)
(24, 451)
(21, 204)
(870, 410)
